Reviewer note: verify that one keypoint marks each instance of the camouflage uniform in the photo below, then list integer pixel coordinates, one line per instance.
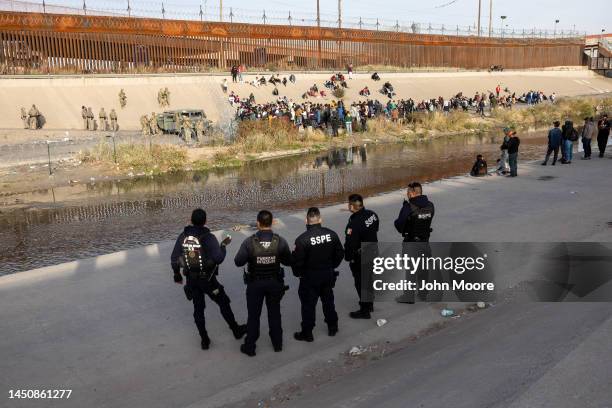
(153, 124)
(84, 116)
(24, 118)
(90, 119)
(33, 117)
(200, 130)
(113, 119)
(122, 98)
(187, 129)
(144, 124)
(102, 116)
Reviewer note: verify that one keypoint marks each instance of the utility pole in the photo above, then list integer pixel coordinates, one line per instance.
(221, 10)
(479, 11)
(339, 13)
(490, 17)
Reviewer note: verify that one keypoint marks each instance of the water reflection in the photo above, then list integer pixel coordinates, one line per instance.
(78, 221)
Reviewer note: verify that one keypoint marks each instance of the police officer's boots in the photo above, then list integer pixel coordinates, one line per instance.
(360, 314)
(303, 336)
(205, 342)
(239, 331)
(332, 330)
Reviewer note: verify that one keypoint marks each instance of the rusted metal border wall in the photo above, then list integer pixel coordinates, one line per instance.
(56, 43)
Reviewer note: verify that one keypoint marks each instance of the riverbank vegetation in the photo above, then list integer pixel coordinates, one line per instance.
(273, 137)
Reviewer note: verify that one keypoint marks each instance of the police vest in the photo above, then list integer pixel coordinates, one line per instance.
(194, 259)
(264, 262)
(418, 225)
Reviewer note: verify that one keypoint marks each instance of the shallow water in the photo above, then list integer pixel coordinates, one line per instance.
(73, 222)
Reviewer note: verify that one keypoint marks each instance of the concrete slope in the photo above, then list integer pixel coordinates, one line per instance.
(119, 332)
(513, 355)
(60, 98)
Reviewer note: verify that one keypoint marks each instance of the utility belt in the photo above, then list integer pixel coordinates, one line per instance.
(249, 277)
(278, 276)
(199, 274)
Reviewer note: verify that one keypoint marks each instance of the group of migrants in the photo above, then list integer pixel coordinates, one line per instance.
(563, 137)
(317, 253)
(336, 114)
(89, 122)
(507, 163)
(32, 119)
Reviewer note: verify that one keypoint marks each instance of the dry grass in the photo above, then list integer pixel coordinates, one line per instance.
(139, 157)
(544, 114)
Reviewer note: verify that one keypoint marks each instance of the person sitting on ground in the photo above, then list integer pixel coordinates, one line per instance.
(262, 80)
(365, 92)
(479, 168)
(292, 78)
(375, 76)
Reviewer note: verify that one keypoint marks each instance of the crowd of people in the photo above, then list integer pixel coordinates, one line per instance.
(563, 137)
(334, 114)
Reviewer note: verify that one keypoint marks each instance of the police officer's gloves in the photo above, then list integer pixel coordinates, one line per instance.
(177, 277)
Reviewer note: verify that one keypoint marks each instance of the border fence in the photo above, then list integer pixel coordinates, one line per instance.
(45, 42)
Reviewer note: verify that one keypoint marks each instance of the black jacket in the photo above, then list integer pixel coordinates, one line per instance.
(402, 219)
(362, 227)
(317, 249)
(513, 144)
(246, 249)
(210, 245)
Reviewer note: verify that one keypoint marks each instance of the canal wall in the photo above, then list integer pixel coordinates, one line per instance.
(59, 98)
(119, 332)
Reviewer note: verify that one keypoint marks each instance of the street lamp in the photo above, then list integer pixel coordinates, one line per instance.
(502, 25)
(555, 31)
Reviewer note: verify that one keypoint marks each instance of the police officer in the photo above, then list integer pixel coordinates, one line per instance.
(318, 252)
(414, 223)
(199, 253)
(263, 253)
(362, 227)
(416, 215)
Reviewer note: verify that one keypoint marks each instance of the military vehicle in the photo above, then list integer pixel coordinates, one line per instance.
(170, 121)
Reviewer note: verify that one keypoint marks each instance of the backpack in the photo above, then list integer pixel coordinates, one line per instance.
(193, 256)
(573, 136)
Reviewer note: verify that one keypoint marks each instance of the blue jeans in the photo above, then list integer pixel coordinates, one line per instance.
(569, 150)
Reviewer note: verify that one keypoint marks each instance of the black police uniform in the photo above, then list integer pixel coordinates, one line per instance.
(318, 252)
(414, 220)
(362, 227)
(414, 223)
(263, 253)
(200, 259)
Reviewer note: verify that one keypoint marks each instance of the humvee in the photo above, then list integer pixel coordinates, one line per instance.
(167, 120)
